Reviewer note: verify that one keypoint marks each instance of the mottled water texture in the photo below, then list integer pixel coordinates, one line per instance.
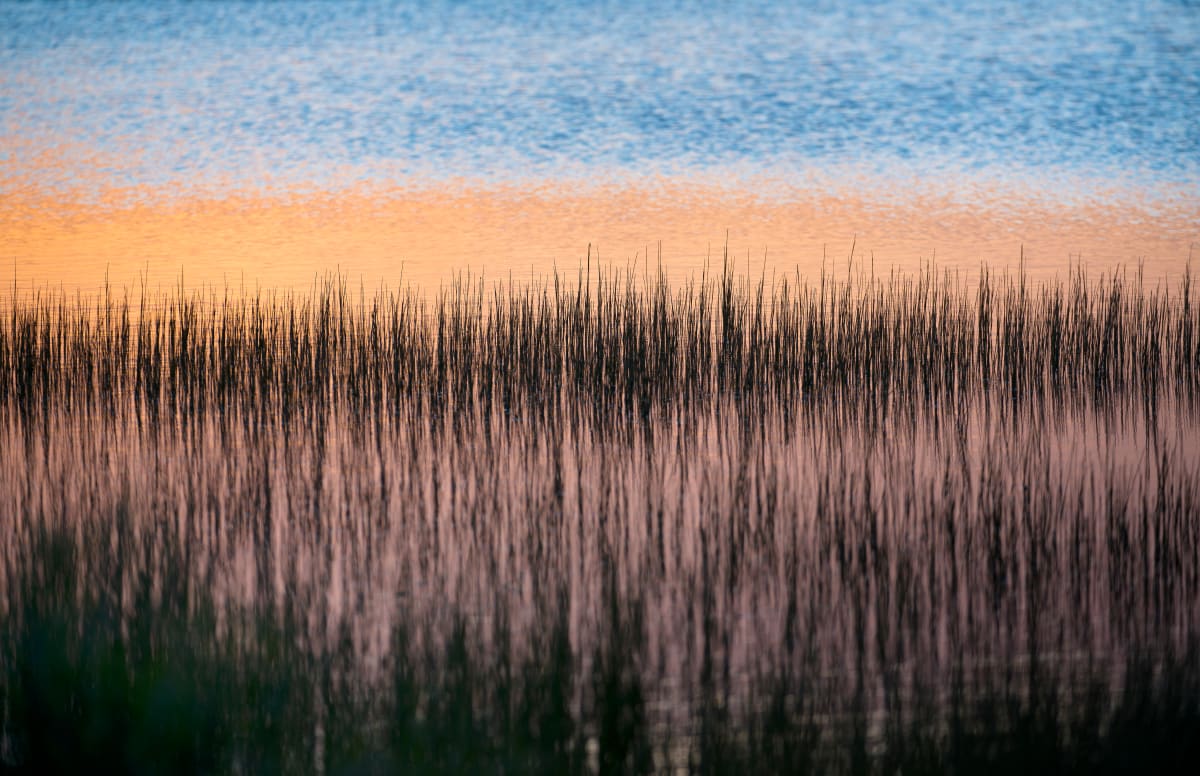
(265, 143)
(605, 523)
(318, 93)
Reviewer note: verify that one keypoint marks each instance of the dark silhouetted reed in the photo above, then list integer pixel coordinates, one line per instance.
(603, 524)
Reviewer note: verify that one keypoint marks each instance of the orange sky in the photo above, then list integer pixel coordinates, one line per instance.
(374, 234)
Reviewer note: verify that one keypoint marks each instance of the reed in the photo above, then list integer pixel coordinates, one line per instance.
(603, 524)
(627, 347)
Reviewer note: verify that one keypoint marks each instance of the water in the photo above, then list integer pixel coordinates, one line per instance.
(909, 526)
(326, 93)
(691, 527)
(149, 141)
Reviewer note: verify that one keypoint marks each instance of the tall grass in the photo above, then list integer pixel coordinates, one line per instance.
(625, 347)
(600, 524)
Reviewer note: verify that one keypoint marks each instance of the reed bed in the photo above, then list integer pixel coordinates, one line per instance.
(604, 524)
(623, 346)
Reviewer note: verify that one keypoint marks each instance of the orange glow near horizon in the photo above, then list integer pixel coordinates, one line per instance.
(423, 237)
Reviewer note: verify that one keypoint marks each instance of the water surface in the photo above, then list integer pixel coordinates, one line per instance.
(1015, 119)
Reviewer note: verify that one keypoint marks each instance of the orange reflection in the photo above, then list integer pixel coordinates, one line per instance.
(424, 236)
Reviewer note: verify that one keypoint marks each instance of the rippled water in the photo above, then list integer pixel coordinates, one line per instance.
(265, 144)
(330, 92)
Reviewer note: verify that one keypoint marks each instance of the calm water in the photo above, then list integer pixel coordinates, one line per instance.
(494, 136)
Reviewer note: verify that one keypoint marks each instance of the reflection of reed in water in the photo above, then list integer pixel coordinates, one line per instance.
(600, 525)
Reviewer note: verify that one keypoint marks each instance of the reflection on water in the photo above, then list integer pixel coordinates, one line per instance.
(896, 508)
(612, 522)
(424, 237)
(268, 143)
(329, 93)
